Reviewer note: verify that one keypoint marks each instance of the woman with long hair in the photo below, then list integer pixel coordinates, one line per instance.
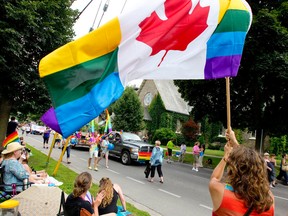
(246, 187)
(77, 199)
(108, 205)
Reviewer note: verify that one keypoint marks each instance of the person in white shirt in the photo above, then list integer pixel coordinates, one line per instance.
(182, 152)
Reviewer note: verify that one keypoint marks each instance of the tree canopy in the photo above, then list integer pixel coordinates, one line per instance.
(29, 30)
(259, 96)
(128, 112)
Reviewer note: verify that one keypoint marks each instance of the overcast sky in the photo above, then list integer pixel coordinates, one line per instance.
(85, 21)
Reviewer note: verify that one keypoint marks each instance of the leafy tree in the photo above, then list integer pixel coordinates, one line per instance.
(190, 130)
(259, 93)
(29, 30)
(128, 112)
(164, 135)
(156, 109)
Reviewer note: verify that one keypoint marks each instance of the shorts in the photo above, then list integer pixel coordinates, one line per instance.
(57, 140)
(93, 153)
(196, 159)
(169, 152)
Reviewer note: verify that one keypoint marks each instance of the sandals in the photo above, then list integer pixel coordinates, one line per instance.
(161, 181)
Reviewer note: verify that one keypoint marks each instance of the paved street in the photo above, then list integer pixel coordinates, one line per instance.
(184, 192)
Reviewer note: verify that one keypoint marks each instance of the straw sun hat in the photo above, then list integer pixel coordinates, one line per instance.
(11, 147)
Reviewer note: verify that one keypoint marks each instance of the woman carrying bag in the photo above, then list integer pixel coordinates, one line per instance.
(156, 161)
(283, 169)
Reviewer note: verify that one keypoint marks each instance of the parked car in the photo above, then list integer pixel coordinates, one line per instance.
(129, 147)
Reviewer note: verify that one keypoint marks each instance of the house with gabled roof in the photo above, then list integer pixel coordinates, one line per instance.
(169, 94)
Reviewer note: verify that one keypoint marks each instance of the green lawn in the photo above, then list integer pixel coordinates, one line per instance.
(38, 162)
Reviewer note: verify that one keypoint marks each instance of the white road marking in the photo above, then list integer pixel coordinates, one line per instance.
(135, 180)
(170, 193)
(281, 198)
(207, 207)
(113, 171)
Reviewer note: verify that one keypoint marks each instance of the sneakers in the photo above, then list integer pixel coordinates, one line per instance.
(195, 169)
(90, 167)
(96, 169)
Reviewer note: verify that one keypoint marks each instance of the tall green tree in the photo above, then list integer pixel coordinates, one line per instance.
(128, 112)
(259, 94)
(29, 30)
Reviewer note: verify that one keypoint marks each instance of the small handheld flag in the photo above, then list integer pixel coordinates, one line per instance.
(13, 137)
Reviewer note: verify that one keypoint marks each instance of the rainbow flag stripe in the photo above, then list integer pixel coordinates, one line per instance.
(144, 156)
(13, 137)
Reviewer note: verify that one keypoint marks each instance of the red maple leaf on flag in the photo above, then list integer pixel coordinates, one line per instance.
(175, 33)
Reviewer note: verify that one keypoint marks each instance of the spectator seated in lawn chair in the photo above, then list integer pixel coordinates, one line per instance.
(13, 175)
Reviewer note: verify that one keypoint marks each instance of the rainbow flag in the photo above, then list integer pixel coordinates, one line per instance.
(159, 39)
(143, 156)
(13, 137)
(108, 125)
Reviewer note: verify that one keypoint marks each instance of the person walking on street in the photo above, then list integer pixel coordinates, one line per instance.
(246, 188)
(104, 150)
(196, 152)
(46, 136)
(12, 126)
(93, 153)
(182, 152)
(170, 146)
(156, 161)
(58, 139)
(201, 155)
(283, 172)
(273, 165)
(269, 169)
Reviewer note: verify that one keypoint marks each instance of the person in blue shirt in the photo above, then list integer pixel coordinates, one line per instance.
(14, 172)
(156, 161)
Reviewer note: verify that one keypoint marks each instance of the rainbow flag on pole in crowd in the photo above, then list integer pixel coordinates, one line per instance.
(13, 137)
(159, 39)
(108, 125)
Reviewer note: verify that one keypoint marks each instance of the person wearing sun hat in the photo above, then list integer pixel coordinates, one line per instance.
(14, 172)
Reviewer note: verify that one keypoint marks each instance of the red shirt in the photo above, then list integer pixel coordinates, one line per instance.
(232, 206)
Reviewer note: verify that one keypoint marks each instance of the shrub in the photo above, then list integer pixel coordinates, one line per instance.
(164, 135)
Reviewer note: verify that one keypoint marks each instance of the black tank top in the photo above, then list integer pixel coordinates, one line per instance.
(112, 207)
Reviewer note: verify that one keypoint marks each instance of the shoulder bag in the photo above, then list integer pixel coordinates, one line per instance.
(285, 167)
(62, 202)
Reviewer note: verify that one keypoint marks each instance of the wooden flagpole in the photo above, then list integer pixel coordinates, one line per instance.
(228, 103)
(61, 156)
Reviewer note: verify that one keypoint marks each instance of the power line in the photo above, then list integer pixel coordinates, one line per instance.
(104, 10)
(83, 10)
(91, 29)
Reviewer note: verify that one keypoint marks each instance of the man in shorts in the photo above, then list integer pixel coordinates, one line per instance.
(93, 152)
(170, 146)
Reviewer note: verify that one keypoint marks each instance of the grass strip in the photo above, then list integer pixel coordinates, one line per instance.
(67, 176)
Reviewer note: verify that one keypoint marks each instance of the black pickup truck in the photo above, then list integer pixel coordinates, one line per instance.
(129, 147)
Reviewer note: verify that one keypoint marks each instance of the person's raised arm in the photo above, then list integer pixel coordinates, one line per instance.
(216, 187)
(230, 135)
(97, 201)
(121, 196)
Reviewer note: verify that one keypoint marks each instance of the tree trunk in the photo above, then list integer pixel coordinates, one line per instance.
(5, 108)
